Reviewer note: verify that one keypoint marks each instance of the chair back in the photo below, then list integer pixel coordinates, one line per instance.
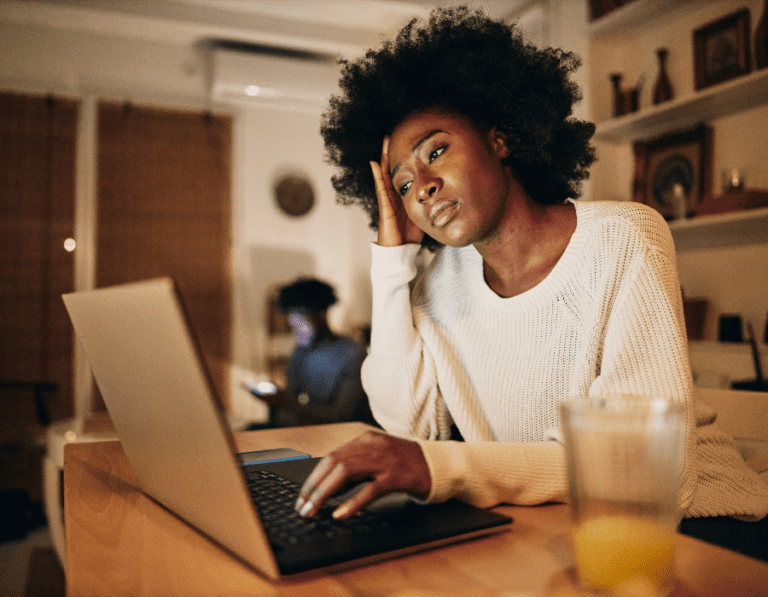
(740, 413)
(744, 416)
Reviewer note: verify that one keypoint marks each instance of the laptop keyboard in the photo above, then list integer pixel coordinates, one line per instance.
(275, 496)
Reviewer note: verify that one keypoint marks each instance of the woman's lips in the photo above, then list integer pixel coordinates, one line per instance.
(442, 213)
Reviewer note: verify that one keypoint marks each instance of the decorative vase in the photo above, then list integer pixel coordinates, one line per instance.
(618, 98)
(761, 40)
(662, 89)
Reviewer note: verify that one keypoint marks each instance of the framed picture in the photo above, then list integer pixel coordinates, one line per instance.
(672, 173)
(721, 49)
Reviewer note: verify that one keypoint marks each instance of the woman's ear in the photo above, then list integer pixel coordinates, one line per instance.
(499, 143)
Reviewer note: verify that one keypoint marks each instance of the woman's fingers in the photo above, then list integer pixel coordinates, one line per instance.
(392, 464)
(390, 234)
(395, 227)
(357, 502)
(331, 474)
(386, 210)
(389, 203)
(320, 470)
(385, 161)
(328, 485)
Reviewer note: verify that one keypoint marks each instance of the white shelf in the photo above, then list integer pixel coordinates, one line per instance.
(736, 95)
(626, 18)
(721, 230)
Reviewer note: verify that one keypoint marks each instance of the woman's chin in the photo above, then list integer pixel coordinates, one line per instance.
(453, 236)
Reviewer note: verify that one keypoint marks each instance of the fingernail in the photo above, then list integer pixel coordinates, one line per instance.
(340, 511)
(305, 509)
(299, 504)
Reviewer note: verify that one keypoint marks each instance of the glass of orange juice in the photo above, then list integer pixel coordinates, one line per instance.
(625, 457)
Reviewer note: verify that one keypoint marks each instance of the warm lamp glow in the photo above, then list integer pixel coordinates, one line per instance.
(69, 245)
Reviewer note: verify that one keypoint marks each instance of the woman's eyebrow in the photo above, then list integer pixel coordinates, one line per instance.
(415, 148)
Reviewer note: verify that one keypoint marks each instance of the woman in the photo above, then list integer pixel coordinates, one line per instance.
(531, 297)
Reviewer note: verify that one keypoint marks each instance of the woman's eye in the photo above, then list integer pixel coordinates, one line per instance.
(433, 155)
(403, 188)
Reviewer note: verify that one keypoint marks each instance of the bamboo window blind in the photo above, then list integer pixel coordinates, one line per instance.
(37, 186)
(164, 209)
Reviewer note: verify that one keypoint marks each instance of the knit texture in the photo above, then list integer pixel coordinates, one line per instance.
(608, 318)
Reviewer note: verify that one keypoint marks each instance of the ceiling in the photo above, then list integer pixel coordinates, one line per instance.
(343, 27)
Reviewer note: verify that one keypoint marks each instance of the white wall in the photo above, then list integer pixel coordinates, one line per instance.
(561, 24)
(331, 241)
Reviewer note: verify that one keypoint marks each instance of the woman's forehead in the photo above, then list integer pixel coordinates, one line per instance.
(415, 126)
(433, 114)
(408, 136)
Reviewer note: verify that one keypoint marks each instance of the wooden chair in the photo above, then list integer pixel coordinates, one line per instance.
(743, 415)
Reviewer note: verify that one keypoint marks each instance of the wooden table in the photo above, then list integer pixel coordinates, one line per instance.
(120, 542)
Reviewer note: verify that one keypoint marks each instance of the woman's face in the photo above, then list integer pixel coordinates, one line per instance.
(449, 175)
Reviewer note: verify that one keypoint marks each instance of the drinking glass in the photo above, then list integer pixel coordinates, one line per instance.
(624, 458)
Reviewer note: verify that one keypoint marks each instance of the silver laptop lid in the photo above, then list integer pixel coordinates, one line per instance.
(160, 399)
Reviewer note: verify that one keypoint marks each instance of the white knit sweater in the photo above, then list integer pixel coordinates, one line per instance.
(608, 318)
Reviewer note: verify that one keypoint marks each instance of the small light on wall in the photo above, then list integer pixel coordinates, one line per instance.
(69, 245)
(253, 90)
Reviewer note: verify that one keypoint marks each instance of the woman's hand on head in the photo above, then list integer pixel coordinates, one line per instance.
(389, 463)
(395, 227)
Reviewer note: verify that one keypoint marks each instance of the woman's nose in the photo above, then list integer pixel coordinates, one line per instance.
(429, 189)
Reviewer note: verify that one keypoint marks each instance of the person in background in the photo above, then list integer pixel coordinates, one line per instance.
(459, 136)
(323, 373)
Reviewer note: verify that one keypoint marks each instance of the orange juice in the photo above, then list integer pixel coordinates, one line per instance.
(615, 550)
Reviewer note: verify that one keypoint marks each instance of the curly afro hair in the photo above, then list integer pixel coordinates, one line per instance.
(461, 60)
(306, 294)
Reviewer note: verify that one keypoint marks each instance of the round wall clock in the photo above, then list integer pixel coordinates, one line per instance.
(294, 195)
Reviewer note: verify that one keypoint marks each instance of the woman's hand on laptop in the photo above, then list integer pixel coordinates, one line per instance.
(390, 463)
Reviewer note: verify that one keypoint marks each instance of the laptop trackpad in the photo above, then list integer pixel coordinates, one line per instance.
(383, 505)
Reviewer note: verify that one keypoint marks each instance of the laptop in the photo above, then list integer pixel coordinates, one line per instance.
(157, 390)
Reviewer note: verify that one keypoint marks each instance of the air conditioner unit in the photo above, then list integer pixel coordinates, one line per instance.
(279, 78)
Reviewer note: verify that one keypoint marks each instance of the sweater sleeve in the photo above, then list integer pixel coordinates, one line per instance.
(399, 374)
(489, 473)
(646, 353)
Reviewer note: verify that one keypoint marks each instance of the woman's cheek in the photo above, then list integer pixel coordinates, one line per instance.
(415, 214)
